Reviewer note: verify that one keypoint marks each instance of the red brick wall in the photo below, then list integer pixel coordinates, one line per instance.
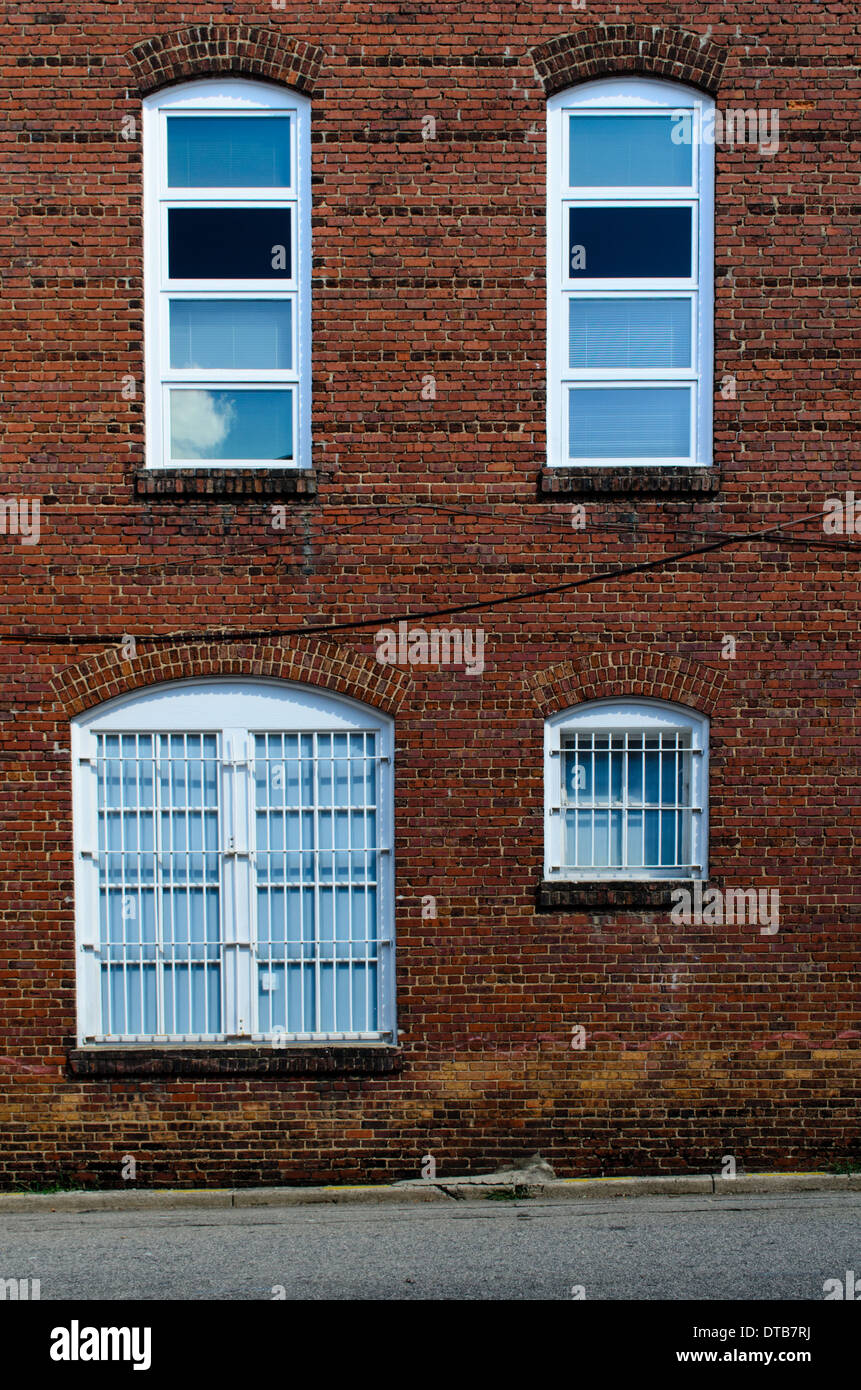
(429, 258)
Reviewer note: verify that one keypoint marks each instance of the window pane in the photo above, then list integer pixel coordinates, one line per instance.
(213, 424)
(179, 923)
(229, 243)
(629, 333)
(228, 333)
(330, 923)
(228, 151)
(626, 422)
(622, 151)
(620, 242)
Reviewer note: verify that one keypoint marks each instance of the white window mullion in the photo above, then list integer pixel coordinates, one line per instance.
(237, 921)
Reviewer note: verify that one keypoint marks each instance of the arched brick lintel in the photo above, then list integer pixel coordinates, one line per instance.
(651, 50)
(623, 672)
(338, 670)
(209, 50)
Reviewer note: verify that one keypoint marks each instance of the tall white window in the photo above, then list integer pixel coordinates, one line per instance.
(227, 249)
(630, 210)
(626, 792)
(233, 862)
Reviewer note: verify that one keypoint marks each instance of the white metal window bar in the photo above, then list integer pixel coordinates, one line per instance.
(626, 792)
(235, 884)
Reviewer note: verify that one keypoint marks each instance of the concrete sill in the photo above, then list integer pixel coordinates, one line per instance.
(598, 893)
(289, 484)
(236, 1060)
(624, 482)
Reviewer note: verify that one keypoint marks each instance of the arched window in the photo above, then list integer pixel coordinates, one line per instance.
(233, 863)
(227, 251)
(626, 792)
(630, 212)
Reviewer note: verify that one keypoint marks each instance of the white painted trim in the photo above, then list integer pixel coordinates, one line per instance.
(629, 96)
(235, 96)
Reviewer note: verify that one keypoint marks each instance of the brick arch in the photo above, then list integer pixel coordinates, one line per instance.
(621, 672)
(207, 50)
(652, 50)
(338, 670)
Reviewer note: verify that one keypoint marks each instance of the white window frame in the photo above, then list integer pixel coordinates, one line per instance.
(618, 717)
(234, 709)
(629, 96)
(213, 97)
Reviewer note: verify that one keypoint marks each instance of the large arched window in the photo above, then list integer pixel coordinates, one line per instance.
(626, 791)
(630, 211)
(233, 863)
(227, 250)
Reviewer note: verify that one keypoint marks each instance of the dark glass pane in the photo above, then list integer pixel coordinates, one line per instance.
(228, 152)
(229, 243)
(632, 242)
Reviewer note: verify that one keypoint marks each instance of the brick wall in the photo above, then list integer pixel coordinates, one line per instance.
(429, 259)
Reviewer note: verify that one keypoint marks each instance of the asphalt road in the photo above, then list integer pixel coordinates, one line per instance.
(746, 1247)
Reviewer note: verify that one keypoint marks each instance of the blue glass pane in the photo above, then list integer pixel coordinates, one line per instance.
(651, 852)
(602, 777)
(625, 151)
(213, 424)
(619, 333)
(668, 837)
(628, 423)
(635, 838)
(231, 333)
(635, 777)
(228, 152)
(229, 243)
(670, 789)
(630, 243)
(652, 769)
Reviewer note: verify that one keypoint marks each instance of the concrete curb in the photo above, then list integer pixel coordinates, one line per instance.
(423, 1190)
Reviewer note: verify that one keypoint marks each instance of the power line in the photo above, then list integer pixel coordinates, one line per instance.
(519, 596)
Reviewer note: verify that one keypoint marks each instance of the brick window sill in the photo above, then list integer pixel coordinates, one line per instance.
(293, 484)
(231, 1060)
(672, 482)
(600, 893)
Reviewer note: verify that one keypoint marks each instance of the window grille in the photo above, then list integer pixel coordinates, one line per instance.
(626, 791)
(317, 876)
(627, 800)
(161, 950)
(235, 884)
